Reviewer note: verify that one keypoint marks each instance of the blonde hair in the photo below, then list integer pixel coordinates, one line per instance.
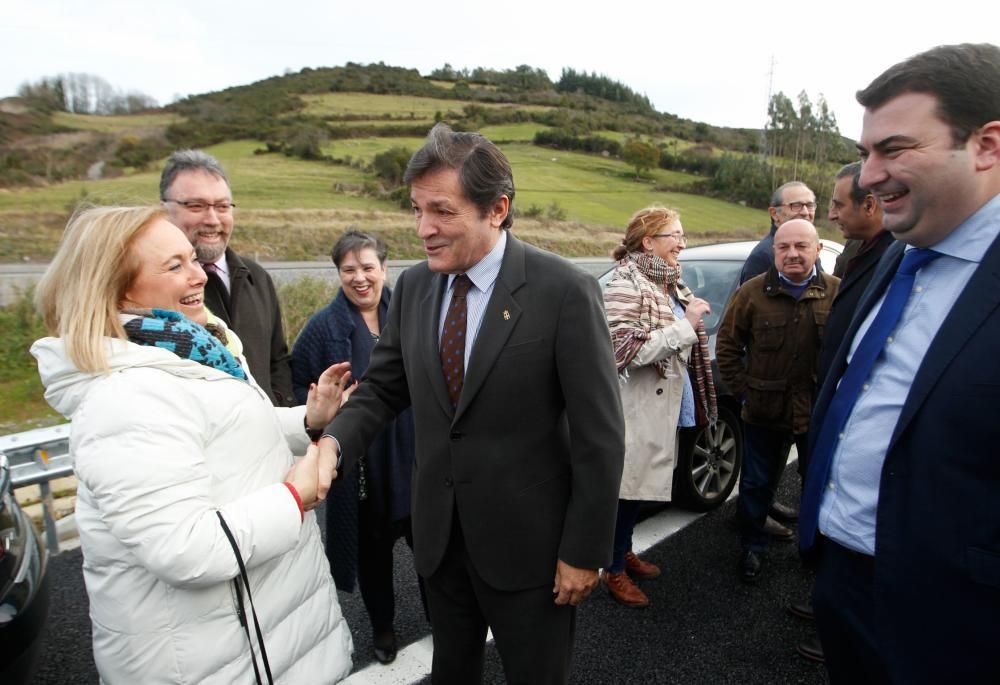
(81, 292)
(645, 222)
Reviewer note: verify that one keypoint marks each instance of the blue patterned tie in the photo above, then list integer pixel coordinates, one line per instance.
(847, 392)
(453, 338)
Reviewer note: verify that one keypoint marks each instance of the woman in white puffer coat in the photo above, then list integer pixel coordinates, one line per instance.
(169, 435)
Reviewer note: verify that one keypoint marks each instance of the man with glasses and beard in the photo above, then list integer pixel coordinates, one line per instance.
(195, 191)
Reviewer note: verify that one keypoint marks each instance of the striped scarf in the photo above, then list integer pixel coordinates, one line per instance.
(637, 301)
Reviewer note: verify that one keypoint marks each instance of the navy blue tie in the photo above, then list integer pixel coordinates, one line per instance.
(847, 392)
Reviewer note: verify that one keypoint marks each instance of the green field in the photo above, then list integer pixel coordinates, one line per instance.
(522, 132)
(270, 181)
(114, 124)
(591, 190)
(397, 107)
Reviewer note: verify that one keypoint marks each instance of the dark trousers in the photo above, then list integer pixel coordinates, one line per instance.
(843, 600)
(375, 545)
(628, 514)
(533, 636)
(765, 452)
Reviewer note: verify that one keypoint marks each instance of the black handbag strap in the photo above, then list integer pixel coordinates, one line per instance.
(241, 612)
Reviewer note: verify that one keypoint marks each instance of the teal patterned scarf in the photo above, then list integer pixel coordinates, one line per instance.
(172, 331)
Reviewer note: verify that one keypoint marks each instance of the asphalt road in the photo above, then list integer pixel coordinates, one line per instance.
(704, 625)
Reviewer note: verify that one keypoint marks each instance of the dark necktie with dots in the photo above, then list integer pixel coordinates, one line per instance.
(212, 271)
(453, 338)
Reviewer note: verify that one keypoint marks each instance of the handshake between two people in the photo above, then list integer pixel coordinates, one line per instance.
(312, 475)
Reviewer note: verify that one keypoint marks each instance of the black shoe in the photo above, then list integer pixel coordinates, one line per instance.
(778, 532)
(783, 512)
(385, 646)
(750, 564)
(803, 609)
(811, 649)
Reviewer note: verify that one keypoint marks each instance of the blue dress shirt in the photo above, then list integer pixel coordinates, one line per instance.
(848, 506)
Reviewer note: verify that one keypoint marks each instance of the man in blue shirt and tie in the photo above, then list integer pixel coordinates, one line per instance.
(902, 498)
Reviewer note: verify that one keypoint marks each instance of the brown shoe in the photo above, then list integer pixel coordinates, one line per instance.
(639, 569)
(621, 587)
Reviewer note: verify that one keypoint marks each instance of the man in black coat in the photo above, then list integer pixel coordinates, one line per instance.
(859, 216)
(195, 191)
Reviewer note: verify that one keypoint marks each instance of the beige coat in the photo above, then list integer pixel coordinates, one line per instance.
(652, 405)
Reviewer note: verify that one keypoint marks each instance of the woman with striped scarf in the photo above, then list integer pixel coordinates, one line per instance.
(658, 335)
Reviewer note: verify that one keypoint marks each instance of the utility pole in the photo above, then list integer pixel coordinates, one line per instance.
(763, 130)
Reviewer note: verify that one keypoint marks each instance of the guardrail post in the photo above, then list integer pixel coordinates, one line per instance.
(48, 506)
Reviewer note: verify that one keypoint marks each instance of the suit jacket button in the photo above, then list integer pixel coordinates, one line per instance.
(455, 436)
(447, 482)
(659, 391)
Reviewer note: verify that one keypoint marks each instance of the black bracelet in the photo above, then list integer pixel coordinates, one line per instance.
(314, 433)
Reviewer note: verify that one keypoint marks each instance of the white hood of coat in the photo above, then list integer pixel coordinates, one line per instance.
(66, 386)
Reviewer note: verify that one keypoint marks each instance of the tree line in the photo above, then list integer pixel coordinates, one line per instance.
(80, 93)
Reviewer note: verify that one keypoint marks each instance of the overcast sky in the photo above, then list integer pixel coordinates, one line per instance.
(707, 61)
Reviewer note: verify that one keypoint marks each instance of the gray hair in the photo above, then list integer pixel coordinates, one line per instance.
(189, 160)
(483, 170)
(779, 194)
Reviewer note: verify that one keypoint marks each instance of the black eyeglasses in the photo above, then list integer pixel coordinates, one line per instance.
(797, 206)
(199, 206)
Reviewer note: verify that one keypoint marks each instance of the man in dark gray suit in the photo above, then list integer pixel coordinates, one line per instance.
(519, 434)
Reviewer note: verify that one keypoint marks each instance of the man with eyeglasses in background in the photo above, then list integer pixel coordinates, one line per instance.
(195, 192)
(767, 351)
(792, 200)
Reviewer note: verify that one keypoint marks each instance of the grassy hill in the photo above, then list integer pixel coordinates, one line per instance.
(299, 149)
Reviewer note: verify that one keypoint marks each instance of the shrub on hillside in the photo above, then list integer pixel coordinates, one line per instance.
(390, 165)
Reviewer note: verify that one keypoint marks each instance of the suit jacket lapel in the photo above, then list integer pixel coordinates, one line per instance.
(430, 318)
(499, 319)
(979, 299)
(885, 270)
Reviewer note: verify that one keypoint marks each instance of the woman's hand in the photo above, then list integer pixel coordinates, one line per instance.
(697, 308)
(304, 477)
(326, 395)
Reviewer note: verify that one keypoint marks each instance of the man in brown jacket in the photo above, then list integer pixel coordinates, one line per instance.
(767, 351)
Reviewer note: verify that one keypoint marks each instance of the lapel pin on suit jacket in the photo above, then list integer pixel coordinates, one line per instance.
(506, 315)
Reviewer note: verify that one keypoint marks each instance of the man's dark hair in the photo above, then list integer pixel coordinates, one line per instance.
(483, 170)
(965, 79)
(353, 242)
(189, 160)
(778, 197)
(858, 194)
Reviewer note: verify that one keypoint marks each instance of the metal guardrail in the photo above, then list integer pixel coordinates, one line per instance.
(37, 457)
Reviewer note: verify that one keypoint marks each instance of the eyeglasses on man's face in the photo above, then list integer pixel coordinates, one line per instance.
(679, 237)
(799, 206)
(200, 206)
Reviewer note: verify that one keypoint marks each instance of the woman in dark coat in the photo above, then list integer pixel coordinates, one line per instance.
(367, 509)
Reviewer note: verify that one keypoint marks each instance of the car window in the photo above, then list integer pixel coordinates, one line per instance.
(714, 281)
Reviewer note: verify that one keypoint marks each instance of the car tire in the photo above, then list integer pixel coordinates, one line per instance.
(708, 463)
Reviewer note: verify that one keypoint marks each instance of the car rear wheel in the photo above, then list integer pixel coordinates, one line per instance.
(708, 463)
